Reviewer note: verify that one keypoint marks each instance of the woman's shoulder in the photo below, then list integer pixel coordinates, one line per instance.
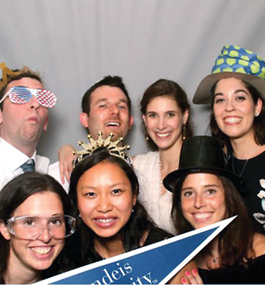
(259, 244)
(149, 159)
(145, 156)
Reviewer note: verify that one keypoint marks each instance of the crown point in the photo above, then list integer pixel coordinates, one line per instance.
(111, 146)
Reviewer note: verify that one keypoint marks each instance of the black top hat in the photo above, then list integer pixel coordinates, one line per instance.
(202, 154)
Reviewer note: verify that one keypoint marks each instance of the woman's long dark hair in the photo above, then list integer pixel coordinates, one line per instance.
(171, 89)
(258, 124)
(13, 195)
(137, 225)
(236, 240)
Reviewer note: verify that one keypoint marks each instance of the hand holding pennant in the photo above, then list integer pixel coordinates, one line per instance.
(153, 264)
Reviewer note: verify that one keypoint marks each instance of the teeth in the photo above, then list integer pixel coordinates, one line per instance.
(200, 216)
(104, 220)
(233, 120)
(41, 249)
(162, 135)
(112, 124)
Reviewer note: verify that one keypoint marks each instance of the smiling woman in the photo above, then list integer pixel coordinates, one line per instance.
(205, 192)
(165, 113)
(33, 225)
(104, 189)
(236, 90)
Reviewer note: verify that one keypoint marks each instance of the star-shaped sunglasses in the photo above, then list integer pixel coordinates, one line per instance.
(22, 95)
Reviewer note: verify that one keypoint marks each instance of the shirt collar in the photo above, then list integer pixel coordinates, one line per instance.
(13, 157)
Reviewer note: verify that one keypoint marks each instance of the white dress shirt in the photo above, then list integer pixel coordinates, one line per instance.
(11, 159)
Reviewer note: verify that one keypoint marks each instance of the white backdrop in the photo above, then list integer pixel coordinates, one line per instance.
(74, 43)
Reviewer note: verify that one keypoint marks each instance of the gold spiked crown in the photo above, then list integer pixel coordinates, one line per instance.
(111, 146)
(7, 74)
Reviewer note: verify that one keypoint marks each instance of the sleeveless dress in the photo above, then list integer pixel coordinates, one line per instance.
(147, 169)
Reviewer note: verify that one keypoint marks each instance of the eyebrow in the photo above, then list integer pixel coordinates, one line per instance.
(106, 99)
(58, 214)
(204, 186)
(236, 91)
(169, 111)
(95, 187)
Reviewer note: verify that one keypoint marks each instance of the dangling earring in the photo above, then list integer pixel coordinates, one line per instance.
(132, 210)
(184, 131)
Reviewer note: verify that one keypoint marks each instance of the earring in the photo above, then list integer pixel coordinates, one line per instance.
(132, 210)
(184, 131)
(146, 135)
(79, 215)
(256, 114)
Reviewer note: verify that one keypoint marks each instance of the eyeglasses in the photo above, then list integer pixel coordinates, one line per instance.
(22, 95)
(30, 228)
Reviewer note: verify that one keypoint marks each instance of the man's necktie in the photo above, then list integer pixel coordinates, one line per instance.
(28, 166)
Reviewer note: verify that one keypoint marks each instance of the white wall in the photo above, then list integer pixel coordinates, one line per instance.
(74, 43)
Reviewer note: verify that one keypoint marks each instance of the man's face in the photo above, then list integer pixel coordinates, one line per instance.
(21, 124)
(109, 113)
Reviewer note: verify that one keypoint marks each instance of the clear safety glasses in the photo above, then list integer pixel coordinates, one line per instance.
(22, 95)
(30, 228)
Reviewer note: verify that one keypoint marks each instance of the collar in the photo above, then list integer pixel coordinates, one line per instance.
(13, 157)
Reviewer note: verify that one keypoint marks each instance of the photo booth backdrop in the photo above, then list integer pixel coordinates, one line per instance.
(74, 43)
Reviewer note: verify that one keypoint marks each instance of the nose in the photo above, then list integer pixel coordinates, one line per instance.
(161, 124)
(34, 103)
(114, 110)
(199, 202)
(45, 235)
(104, 205)
(229, 105)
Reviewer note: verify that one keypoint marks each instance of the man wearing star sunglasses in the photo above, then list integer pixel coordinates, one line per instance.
(24, 105)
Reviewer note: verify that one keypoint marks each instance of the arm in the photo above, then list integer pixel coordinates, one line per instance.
(66, 158)
(187, 275)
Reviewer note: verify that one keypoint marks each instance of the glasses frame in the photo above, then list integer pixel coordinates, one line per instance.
(13, 219)
(33, 92)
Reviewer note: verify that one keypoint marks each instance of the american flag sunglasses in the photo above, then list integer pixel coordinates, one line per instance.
(22, 95)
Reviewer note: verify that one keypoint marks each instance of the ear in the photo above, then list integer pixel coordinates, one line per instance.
(258, 106)
(84, 119)
(46, 124)
(4, 231)
(144, 119)
(185, 116)
(134, 199)
(131, 120)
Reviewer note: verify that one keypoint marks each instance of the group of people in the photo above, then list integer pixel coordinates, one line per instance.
(117, 203)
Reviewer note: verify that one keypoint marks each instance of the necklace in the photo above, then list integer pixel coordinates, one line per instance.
(244, 166)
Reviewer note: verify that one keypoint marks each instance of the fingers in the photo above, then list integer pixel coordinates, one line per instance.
(66, 158)
(66, 169)
(61, 172)
(192, 277)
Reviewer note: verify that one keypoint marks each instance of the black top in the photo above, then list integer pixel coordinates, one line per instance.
(253, 173)
(155, 235)
(252, 273)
